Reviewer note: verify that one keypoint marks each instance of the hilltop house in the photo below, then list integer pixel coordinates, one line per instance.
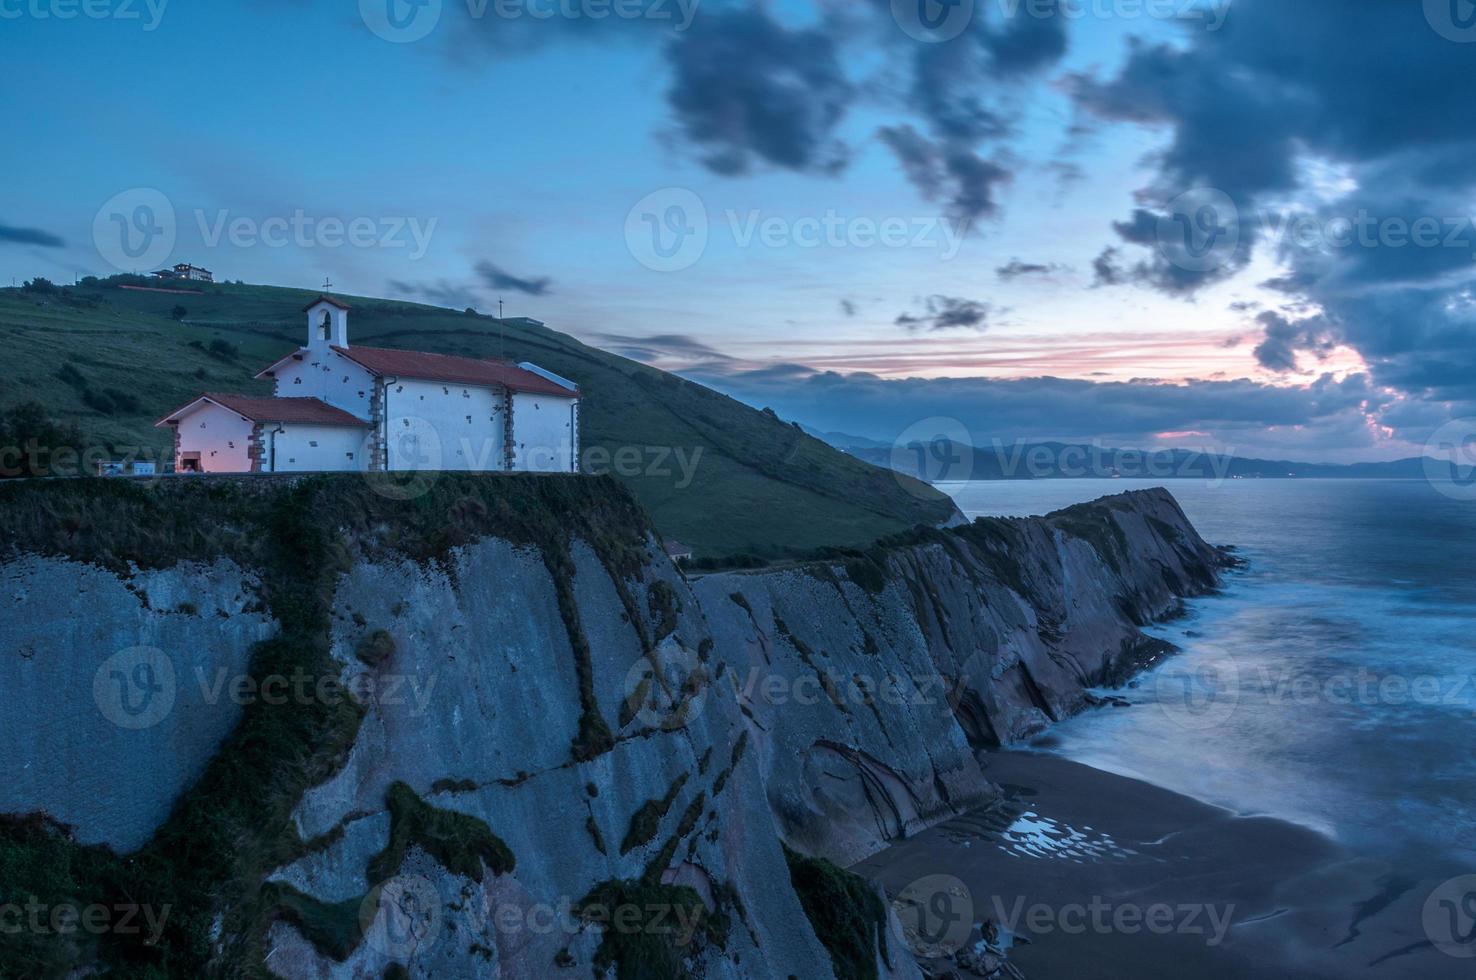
(339, 408)
(184, 270)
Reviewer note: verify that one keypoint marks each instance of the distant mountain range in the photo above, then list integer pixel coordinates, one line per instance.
(944, 460)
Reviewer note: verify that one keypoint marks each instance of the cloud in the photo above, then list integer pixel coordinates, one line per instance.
(1108, 268)
(498, 278)
(948, 313)
(1016, 269)
(1285, 338)
(746, 89)
(658, 348)
(963, 179)
(1328, 418)
(951, 80)
(30, 236)
(1256, 112)
(848, 308)
(438, 293)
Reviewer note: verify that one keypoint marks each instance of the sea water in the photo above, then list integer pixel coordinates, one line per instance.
(1332, 683)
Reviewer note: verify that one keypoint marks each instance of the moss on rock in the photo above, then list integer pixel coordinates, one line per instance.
(849, 918)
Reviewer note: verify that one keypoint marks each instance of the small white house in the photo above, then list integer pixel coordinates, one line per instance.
(339, 407)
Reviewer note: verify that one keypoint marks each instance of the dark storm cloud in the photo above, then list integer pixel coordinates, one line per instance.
(1388, 101)
(953, 81)
(963, 180)
(959, 93)
(1285, 338)
(498, 278)
(746, 89)
(947, 91)
(948, 313)
(30, 236)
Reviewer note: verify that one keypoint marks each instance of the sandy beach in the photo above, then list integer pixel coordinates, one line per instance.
(1106, 876)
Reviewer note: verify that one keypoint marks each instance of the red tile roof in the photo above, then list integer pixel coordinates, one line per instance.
(457, 370)
(303, 411)
(326, 299)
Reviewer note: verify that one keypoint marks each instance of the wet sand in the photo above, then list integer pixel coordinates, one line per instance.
(1108, 876)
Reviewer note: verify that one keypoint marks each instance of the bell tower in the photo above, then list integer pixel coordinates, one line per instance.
(327, 323)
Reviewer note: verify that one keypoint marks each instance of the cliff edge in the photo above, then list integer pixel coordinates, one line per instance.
(485, 728)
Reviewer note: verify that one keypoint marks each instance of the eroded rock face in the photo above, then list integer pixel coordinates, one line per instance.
(869, 700)
(859, 696)
(117, 691)
(628, 736)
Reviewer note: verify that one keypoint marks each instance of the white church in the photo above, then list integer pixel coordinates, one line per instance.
(339, 407)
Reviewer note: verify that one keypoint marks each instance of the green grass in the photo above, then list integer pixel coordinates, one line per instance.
(650, 929)
(460, 843)
(847, 916)
(761, 487)
(647, 819)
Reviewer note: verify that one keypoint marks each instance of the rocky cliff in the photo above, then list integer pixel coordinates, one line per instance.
(327, 728)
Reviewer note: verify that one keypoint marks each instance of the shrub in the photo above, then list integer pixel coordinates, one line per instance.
(25, 426)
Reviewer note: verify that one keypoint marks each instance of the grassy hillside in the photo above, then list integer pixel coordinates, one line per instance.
(114, 360)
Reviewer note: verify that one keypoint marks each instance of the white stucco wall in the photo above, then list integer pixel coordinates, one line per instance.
(219, 435)
(437, 425)
(328, 375)
(300, 448)
(544, 428)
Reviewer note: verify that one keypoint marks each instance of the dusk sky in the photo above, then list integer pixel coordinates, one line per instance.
(823, 207)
